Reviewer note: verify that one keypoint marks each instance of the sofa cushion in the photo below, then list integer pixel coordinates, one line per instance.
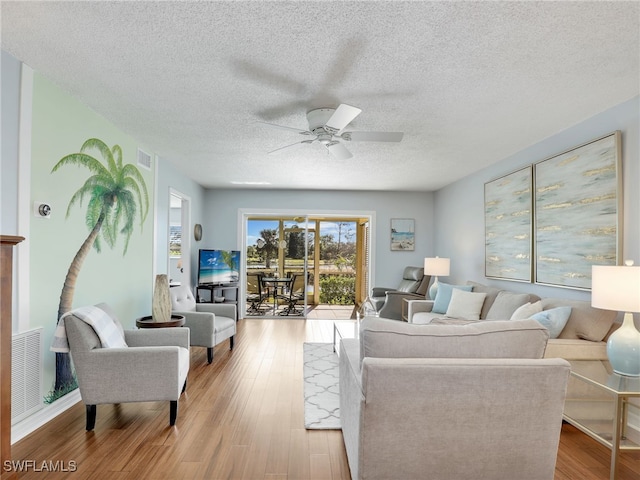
(386, 338)
(585, 321)
(465, 305)
(526, 310)
(553, 320)
(575, 349)
(505, 304)
(491, 292)
(443, 296)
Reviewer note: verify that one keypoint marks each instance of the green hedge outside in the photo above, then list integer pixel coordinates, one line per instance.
(338, 289)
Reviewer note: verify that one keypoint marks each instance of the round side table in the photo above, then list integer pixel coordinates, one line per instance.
(147, 322)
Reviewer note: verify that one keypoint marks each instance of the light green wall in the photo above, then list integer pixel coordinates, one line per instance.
(60, 126)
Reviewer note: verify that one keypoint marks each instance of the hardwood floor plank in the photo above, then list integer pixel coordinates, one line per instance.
(241, 417)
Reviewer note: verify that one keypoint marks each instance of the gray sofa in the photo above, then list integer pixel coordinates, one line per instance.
(451, 402)
(582, 341)
(582, 338)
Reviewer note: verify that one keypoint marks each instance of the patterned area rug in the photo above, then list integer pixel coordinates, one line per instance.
(321, 392)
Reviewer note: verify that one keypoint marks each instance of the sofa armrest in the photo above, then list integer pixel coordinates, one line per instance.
(392, 307)
(380, 291)
(416, 306)
(134, 374)
(157, 337)
(200, 324)
(222, 309)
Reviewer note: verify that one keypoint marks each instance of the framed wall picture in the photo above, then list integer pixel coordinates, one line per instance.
(508, 231)
(578, 213)
(403, 234)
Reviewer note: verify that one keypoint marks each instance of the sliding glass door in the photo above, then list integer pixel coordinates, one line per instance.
(325, 259)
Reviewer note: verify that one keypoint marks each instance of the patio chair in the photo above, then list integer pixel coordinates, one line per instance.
(256, 294)
(293, 295)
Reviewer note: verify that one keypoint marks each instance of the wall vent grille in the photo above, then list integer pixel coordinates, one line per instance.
(26, 374)
(144, 159)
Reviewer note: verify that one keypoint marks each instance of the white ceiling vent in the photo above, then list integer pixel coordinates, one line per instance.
(144, 159)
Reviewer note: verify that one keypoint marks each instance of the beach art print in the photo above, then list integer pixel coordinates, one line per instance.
(578, 205)
(403, 236)
(507, 213)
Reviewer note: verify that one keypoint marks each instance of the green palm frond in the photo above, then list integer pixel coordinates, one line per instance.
(117, 155)
(105, 151)
(134, 181)
(115, 192)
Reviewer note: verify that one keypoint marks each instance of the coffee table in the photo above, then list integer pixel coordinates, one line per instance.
(344, 329)
(608, 429)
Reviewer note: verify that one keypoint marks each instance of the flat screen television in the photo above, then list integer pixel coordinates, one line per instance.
(218, 267)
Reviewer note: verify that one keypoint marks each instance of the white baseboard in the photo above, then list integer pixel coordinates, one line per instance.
(48, 413)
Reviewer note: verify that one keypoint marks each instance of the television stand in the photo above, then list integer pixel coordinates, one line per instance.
(229, 292)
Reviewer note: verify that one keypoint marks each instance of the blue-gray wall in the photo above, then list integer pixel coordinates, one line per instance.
(459, 207)
(221, 212)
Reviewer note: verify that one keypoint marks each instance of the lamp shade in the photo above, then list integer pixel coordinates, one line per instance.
(615, 288)
(437, 266)
(618, 288)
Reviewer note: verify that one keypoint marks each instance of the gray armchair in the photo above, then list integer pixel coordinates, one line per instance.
(388, 301)
(152, 367)
(210, 323)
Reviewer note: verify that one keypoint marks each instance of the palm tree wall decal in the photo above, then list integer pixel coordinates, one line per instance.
(117, 196)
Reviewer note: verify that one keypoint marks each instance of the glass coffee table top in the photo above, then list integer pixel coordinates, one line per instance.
(344, 329)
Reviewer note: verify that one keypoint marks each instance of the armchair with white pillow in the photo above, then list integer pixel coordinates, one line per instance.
(139, 366)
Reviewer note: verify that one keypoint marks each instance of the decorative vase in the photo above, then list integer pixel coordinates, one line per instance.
(623, 348)
(161, 307)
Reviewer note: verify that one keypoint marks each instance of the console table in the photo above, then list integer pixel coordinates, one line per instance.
(229, 292)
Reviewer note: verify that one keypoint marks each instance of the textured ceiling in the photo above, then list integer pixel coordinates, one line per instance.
(469, 83)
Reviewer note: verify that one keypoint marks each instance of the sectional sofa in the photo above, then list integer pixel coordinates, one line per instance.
(581, 341)
(582, 338)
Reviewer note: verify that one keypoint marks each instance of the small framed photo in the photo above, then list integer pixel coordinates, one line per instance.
(403, 235)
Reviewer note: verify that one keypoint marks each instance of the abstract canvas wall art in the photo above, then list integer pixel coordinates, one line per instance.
(578, 205)
(507, 211)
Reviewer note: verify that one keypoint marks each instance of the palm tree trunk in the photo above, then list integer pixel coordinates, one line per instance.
(64, 375)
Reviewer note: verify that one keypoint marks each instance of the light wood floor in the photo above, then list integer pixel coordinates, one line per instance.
(240, 418)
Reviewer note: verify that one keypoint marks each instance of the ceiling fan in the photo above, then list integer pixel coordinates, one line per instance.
(326, 126)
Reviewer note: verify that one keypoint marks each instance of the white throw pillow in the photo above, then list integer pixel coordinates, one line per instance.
(525, 311)
(465, 305)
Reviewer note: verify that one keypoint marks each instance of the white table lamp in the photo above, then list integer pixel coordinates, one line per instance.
(435, 267)
(618, 288)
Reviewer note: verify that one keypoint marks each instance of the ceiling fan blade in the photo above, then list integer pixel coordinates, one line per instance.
(288, 146)
(282, 127)
(339, 151)
(373, 136)
(343, 115)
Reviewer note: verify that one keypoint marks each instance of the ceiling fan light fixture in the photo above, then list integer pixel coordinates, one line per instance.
(326, 125)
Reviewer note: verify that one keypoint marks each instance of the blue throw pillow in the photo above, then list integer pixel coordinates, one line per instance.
(443, 296)
(553, 320)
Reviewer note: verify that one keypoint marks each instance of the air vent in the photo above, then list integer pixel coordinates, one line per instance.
(144, 159)
(26, 374)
